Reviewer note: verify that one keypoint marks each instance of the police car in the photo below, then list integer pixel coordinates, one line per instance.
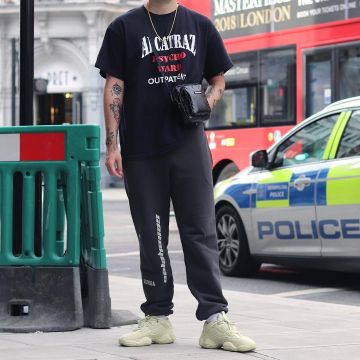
(299, 202)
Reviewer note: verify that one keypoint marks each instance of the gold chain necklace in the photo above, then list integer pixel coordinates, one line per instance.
(153, 26)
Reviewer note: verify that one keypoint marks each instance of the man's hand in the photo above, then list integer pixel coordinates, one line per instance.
(216, 90)
(114, 163)
(113, 101)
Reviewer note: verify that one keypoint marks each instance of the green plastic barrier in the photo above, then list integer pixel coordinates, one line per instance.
(66, 158)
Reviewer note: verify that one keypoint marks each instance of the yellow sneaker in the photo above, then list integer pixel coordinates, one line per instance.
(150, 330)
(222, 333)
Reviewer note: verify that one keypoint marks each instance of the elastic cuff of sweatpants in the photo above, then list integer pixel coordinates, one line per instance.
(204, 314)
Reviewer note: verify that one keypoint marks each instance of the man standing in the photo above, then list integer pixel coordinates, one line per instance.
(145, 53)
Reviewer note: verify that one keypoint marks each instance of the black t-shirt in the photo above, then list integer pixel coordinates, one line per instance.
(150, 124)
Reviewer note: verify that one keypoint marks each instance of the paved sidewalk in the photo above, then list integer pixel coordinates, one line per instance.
(286, 329)
(114, 194)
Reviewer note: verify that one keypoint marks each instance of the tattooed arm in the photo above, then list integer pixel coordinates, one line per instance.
(216, 90)
(113, 101)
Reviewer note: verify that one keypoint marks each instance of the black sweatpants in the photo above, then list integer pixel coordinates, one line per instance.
(185, 175)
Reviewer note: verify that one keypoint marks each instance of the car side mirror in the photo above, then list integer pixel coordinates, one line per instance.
(259, 159)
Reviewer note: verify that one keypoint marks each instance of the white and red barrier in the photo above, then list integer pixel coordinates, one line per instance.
(32, 147)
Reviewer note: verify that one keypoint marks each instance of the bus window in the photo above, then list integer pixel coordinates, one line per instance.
(277, 84)
(331, 74)
(252, 99)
(349, 72)
(236, 108)
(319, 90)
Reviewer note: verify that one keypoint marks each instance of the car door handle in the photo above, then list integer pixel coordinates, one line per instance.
(301, 183)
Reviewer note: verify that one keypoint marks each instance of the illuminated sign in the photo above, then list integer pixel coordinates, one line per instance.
(240, 72)
(247, 17)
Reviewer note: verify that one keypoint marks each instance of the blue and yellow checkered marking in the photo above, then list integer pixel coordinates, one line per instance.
(285, 194)
(241, 194)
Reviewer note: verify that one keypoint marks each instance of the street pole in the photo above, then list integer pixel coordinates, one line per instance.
(26, 62)
(26, 118)
(13, 82)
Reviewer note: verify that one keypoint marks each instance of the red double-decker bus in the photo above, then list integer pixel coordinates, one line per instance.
(291, 58)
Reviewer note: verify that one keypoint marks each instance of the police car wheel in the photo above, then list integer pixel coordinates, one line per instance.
(234, 253)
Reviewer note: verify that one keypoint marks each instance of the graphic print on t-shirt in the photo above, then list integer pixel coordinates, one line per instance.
(169, 66)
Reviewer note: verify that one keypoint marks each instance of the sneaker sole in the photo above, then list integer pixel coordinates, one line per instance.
(208, 344)
(146, 341)
(166, 339)
(228, 346)
(143, 342)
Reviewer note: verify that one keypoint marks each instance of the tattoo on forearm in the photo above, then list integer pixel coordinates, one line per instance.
(209, 96)
(110, 135)
(214, 96)
(116, 90)
(209, 91)
(115, 109)
(111, 139)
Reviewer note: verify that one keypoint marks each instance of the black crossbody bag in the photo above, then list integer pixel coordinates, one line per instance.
(189, 99)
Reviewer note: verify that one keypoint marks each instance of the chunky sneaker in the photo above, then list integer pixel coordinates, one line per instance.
(150, 330)
(222, 333)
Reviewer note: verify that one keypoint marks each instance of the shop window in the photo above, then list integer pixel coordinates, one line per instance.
(57, 109)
